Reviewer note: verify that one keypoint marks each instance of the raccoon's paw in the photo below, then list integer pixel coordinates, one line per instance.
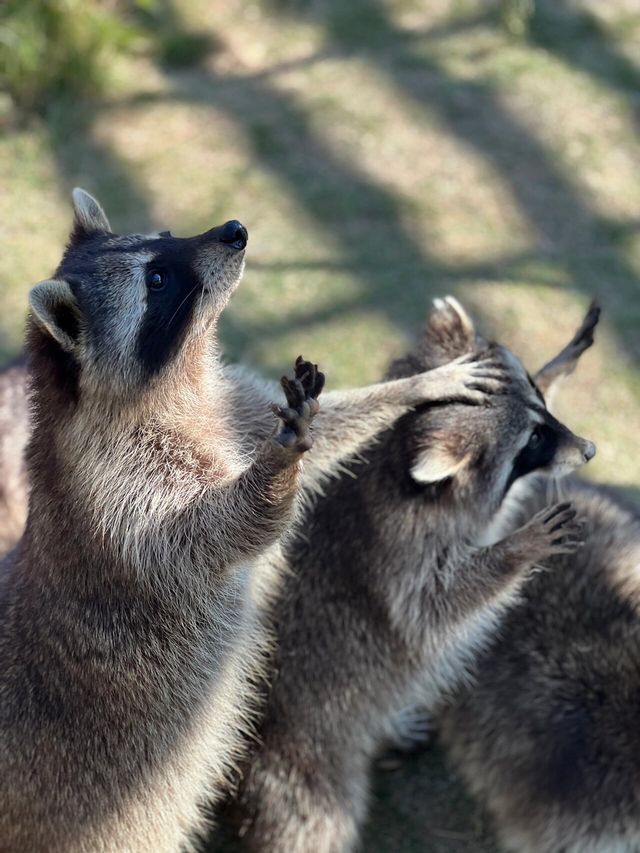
(409, 729)
(488, 376)
(473, 378)
(302, 394)
(553, 531)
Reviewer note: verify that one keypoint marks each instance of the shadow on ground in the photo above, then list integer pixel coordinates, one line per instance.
(395, 274)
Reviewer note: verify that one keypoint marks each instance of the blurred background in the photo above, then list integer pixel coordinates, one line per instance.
(381, 153)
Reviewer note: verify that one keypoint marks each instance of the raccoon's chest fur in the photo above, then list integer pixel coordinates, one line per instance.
(196, 641)
(169, 807)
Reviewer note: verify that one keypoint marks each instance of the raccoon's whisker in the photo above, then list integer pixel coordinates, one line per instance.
(173, 316)
(200, 300)
(550, 489)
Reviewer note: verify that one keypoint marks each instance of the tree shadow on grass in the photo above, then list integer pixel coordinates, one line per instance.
(589, 246)
(364, 219)
(501, 269)
(395, 274)
(582, 41)
(367, 220)
(82, 159)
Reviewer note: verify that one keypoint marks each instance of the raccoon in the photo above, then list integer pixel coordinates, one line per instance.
(159, 490)
(389, 590)
(124, 605)
(13, 439)
(548, 736)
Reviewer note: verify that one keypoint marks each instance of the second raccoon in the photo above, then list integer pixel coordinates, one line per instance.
(548, 736)
(391, 594)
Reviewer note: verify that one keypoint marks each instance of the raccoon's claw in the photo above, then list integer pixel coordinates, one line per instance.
(486, 377)
(566, 530)
(294, 431)
(301, 394)
(467, 380)
(411, 730)
(310, 381)
(557, 515)
(555, 530)
(487, 386)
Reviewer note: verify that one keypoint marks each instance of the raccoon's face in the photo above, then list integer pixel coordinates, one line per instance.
(123, 307)
(475, 454)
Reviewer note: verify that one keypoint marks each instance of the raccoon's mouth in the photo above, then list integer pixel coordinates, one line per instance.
(562, 469)
(222, 287)
(207, 295)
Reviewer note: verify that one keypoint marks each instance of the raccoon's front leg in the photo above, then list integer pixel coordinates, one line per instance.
(350, 420)
(458, 608)
(478, 583)
(502, 567)
(301, 799)
(553, 531)
(258, 503)
(302, 394)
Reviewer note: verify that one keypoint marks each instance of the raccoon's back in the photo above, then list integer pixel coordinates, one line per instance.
(549, 737)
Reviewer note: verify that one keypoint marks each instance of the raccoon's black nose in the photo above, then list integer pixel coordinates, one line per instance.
(234, 234)
(588, 450)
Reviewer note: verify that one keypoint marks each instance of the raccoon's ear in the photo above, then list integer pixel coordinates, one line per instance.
(567, 359)
(435, 464)
(89, 217)
(449, 332)
(54, 309)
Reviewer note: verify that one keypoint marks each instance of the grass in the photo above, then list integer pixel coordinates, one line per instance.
(52, 46)
(380, 153)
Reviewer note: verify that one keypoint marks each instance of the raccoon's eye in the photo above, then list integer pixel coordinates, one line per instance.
(535, 439)
(155, 280)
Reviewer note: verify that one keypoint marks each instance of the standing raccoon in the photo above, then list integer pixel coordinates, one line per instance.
(390, 594)
(124, 606)
(159, 490)
(548, 738)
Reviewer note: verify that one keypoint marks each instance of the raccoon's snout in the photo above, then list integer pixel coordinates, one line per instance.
(576, 452)
(234, 234)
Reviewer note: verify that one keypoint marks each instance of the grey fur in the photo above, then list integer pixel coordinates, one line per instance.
(389, 596)
(548, 735)
(126, 616)
(130, 626)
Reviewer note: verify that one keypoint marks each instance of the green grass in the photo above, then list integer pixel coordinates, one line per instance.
(380, 153)
(53, 47)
